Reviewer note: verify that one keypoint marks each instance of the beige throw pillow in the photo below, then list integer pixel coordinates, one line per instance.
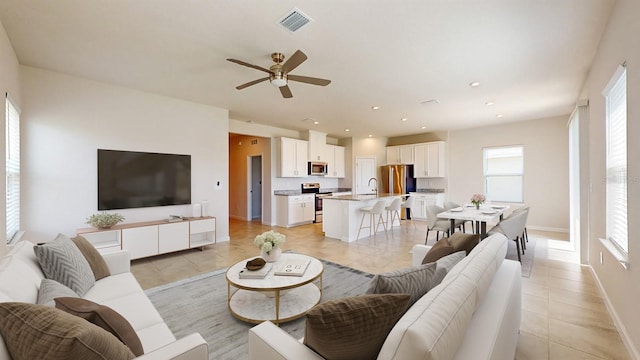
(355, 327)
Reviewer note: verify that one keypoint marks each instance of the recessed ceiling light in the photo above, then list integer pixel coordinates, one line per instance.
(499, 115)
(474, 84)
(375, 107)
(489, 103)
(316, 122)
(423, 127)
(370, 135)
(404, 119)
(347, 130)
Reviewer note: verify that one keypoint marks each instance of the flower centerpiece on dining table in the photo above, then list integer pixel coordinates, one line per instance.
(477, 200)
(269, 243)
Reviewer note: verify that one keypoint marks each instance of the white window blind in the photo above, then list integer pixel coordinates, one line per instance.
(12, 163)
(615, 94)
(503, 173)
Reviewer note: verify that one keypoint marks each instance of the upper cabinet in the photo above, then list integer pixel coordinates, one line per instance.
(429, 160)
(317, 143)
(334, 156)
(402, 154)
(293, 157)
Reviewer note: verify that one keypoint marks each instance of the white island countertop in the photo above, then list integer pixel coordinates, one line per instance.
(342, 215)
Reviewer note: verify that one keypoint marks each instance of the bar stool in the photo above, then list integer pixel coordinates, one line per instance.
(394, 209)
(407, 205)
(372, 211)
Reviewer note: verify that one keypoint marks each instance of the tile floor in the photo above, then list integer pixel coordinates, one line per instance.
(563, 315)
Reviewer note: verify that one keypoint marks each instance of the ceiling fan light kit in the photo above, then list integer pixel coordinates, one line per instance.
(279, 73)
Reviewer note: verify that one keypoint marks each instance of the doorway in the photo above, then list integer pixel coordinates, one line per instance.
(254, 187)
(365, 170)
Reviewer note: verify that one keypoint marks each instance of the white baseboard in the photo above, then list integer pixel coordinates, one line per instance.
(622, 330)
(546, 228)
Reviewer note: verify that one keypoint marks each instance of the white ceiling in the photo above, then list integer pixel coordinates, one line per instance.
(530, 56)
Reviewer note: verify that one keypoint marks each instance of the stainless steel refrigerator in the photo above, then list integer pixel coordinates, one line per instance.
(397, 179)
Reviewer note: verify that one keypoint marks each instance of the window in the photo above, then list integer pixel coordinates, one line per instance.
(615, 94)
(503, 173)
(12, 163)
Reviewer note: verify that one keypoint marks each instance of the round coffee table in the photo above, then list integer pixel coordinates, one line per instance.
(274, 298)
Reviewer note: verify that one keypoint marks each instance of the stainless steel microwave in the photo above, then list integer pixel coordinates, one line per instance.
(317, 168)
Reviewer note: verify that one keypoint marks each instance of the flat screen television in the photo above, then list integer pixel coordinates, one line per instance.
(129, 179)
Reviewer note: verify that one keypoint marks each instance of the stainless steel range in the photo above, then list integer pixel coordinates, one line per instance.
(314, 188)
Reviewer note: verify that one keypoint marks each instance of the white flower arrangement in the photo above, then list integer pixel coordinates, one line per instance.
(269, 240)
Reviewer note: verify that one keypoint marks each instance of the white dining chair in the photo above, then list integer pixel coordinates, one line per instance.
(433, 223)
(448, 205)
(513, 228)
(376, 210)
(526, 234)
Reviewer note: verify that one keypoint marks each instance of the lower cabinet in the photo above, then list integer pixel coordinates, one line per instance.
(421, 201)
(295, 209)
(153, 237)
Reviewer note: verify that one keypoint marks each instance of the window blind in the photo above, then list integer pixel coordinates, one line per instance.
(616, 159)
(12, 163)
(503, 173)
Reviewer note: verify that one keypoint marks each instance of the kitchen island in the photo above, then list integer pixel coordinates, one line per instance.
(342, 216)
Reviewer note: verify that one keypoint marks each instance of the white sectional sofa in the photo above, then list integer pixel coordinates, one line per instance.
(473, 314)
(21, 275)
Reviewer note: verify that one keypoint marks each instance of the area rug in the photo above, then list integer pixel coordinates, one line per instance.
(527, 258)
(199, 304)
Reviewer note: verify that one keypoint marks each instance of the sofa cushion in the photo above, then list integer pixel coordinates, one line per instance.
(96, 262)
(104, 317)
(17, 280)
(440, 249)
(433, 328)
(461, 241)
(62, 261)
(355, 327)
(415, 281)
(33, 331)
(51, 289)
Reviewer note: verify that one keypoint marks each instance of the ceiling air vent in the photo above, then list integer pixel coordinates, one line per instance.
(294, 20)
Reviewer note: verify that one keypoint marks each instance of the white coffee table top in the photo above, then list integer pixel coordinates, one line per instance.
(271, 281)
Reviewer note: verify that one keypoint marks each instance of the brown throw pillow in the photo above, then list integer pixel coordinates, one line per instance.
(93, 257)
(355, 327)
(33, 331)
(461, 241)
(440, 249)
(103, 317)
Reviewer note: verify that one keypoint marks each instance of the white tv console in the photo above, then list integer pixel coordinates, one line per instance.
(144, 239)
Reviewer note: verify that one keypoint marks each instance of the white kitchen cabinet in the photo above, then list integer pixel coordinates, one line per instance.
(421, 201)
(173, 237)
(335, 161)
(317, 142)
(293, 157)
(295, 209)
(402, 154)
(429, 160)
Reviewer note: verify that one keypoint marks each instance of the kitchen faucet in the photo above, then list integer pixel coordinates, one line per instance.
(369, 184)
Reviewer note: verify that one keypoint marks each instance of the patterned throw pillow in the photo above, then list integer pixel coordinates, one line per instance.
(62, 261)
(415, 281)
(33, 331)
(51, 289)
(93, 257)
(104, 317)
(355, 327)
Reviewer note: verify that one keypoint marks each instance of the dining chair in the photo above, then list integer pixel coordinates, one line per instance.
(407, 205)
(448, 205)
(523, 208)
(394, 209)
(372, 211)
(513, 228)
(433, 223)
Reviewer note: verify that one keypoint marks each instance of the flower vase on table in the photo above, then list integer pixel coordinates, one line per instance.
(269, 243)
(477, 200)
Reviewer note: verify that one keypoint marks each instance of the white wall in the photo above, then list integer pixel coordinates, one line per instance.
(622, 287)
(66, 119)
(9, 83)
(546, 166)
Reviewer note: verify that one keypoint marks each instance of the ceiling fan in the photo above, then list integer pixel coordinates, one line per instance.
(279, 73)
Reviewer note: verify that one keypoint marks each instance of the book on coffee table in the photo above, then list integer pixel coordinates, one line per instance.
(255, 274)
(292, 267)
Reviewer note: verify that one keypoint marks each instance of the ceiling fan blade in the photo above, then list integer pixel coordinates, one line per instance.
(294, 61)
(240, 87)
(239, 62)
(286, 92)
(309, 80)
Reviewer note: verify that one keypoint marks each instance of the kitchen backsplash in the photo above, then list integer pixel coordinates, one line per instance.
(294, 183)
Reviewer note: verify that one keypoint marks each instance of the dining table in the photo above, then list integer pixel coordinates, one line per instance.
(480, 216)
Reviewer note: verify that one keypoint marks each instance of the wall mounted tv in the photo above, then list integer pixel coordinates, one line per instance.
(129, 179)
